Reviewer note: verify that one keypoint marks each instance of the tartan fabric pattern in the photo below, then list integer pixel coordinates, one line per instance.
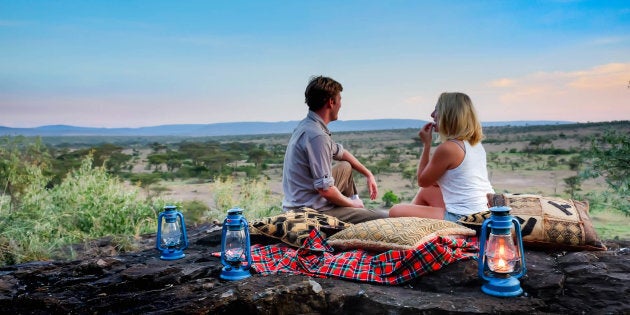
(317, 259)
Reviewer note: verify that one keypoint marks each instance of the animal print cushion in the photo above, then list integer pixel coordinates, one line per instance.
(546, 222)
(394, 233)
(294, 226)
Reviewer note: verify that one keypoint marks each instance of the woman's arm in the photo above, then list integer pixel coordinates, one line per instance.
(447, 155)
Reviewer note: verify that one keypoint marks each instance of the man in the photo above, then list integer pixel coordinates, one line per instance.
(309, 178)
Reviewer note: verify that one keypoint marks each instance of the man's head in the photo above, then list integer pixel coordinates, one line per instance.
(320, 90)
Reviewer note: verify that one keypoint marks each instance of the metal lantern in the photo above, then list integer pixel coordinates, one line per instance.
(501, 258)
(235, 246)
(171, 234)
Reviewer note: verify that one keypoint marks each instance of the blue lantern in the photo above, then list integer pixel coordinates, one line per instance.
(501, 261)
(171, 234)
(235, 246)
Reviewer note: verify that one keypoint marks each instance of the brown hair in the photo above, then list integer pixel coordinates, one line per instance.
(319, 90)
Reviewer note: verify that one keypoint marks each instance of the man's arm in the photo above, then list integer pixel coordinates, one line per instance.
(335, 196)
(320, 166)
(356, 165)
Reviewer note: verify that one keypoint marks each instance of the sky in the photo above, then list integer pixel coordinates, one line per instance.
(137, 63)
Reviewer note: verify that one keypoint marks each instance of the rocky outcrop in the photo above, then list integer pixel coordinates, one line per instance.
(140, 283)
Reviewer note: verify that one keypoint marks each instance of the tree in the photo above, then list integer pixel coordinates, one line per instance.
(609, 157)
(174, 160)
(573, 185)
(536, 145)
(156, 160)
(389, 198)
(410, 174)
(257, 156)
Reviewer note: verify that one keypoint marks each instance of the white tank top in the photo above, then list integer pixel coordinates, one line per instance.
(465, 187)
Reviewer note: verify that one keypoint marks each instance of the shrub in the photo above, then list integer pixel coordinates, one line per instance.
(194, 211)
(389, 198)
(252, 195)
(608, 158)
(89, 203)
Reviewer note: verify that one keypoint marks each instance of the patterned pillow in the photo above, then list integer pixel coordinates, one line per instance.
(546, 222)
(294, 226)
(395, 233)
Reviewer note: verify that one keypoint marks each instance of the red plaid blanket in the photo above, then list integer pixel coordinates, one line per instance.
(316, 258)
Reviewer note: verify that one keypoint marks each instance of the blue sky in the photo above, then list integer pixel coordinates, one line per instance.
(146, 63)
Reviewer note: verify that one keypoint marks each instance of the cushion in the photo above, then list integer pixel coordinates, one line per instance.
(546, 222)
(294, 226)
(395, 233)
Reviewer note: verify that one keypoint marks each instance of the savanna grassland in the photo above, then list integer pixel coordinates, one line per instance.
(66, 190)
(530, 159)
(392, 156)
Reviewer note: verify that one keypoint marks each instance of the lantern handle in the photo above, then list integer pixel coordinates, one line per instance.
(158, 244)
(481, 261)
(223, 231)
(248, 243)
(184, 234)
(519, 239)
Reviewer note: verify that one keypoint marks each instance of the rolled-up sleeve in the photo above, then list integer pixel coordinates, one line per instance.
(337, 153)
(324, 183)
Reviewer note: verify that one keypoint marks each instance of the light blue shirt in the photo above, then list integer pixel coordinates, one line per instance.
(308, 164)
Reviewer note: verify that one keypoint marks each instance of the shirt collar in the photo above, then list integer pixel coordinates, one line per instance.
(313, 116)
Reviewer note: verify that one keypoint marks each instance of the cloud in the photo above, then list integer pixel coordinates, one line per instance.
(611, 75)
(504, 82)
(598, 93)
(598, 78)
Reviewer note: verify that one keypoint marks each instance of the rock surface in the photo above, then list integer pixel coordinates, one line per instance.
(140, 283)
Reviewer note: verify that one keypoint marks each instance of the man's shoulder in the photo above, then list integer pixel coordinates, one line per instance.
(310, 127)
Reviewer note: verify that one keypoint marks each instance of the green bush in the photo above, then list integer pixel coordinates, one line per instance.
(608, 157)
(252, 195)
(194, 211)
(389, 198)
(89, 203)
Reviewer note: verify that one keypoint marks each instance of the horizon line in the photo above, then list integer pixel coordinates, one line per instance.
(289, 121)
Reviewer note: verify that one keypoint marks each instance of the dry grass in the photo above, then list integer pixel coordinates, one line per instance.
(527, 178)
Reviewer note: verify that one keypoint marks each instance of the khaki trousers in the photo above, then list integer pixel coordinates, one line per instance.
(342, 173)
(344, 181)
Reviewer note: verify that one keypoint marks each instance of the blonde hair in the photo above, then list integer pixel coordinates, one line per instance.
(457, 118)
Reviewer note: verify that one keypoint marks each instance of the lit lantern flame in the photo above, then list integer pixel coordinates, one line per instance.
(501, 257)
(501, 253)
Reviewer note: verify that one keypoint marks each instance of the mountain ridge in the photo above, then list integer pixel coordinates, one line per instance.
(238, 128)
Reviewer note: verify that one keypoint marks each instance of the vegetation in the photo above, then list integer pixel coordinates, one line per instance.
(53, 197)
(60, 191)
(89, 203)
(254, 196)
(609, 157)
(390, 199)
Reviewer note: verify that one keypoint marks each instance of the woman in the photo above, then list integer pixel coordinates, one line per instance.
(454, 181)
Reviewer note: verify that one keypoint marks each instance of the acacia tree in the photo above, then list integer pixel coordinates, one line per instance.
(609, 157)
(257, 156)
(573, 184)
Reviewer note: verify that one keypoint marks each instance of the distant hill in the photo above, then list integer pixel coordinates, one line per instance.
(237, 128)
